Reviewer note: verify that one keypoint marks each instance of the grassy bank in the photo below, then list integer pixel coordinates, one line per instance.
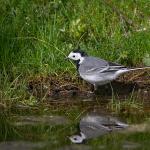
(37, 35)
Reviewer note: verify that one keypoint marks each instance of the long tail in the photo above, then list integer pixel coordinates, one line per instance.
(121, 71)
(138, 68)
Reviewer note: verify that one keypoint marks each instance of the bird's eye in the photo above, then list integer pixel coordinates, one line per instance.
(73, 56)
(75, 139)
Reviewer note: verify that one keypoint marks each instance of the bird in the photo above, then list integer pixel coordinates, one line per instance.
(95, 70)
(94, 125)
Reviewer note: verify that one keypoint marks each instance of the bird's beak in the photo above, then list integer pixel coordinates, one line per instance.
(66, 58)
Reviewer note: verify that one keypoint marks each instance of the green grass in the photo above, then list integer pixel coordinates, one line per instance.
(129, 105)
(36, 36)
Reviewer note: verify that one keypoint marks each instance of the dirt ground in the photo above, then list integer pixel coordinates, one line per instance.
(64, 86)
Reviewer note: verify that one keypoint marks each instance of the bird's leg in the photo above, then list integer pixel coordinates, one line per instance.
(95, 87)
(112, 90)
(96, 92)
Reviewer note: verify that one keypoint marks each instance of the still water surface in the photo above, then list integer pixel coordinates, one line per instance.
(48, 125)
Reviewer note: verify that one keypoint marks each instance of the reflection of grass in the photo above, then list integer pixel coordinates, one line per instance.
(7, 131)
(128, 105)
(118, 141)
(56, 135)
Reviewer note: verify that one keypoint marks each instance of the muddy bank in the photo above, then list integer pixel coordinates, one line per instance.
(65, 86)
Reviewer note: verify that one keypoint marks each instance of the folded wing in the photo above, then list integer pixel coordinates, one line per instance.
(97, 66)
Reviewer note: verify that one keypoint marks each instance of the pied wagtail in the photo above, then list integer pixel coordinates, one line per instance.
(95, 70)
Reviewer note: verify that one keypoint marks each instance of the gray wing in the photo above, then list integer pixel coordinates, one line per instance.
(93, 130)
(92, 127)
(93, 65)
(95, 125)
(116, 124)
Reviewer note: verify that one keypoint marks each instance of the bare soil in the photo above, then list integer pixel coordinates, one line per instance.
(64, 86)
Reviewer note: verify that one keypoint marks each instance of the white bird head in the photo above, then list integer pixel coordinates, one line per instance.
(77, 138)
(77, 55)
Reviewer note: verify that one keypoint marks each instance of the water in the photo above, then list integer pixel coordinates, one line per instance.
(49, 124)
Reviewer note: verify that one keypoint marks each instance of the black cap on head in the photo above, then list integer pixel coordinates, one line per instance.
(81, 52)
